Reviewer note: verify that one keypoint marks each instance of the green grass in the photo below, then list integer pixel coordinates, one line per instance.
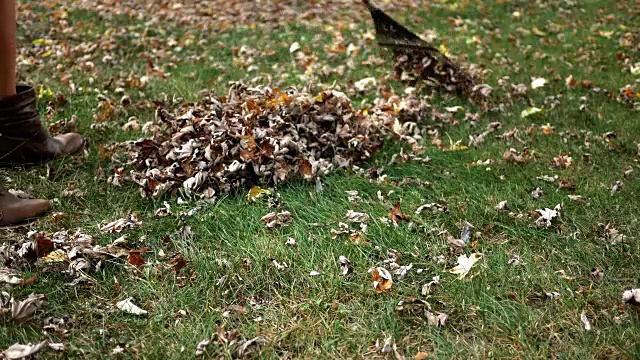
(501, 312)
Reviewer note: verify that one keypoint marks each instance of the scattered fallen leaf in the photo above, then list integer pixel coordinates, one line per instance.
(279, 266)
(530, 111)
(396, 215)
(465, 264)
(382, 280)
(121, 224)
(426, 288)
(20, 351)
(24, 310)
(178, 263)
(294, 47)
(538, 83)
(547, 216)
(345, 265)
(127, 306)
(537, 193)
(631, 297)
(277, 219)
(256, 192)
(553, 295)
(357, 217)
(563, 161)
(547, 129)
(9, 276)
(201, 348)
(437, 319)
(597, 274)
(617, 186)
(514, 157)
(57, 346)
(585, 321)
(135, 257)
(365, 84)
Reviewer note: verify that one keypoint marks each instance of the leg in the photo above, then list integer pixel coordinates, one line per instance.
(7, 48)
(23, 139)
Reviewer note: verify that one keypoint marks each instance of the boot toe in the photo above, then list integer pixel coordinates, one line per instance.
(70, 143)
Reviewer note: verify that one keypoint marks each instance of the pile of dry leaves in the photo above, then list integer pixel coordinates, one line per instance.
(259, 136)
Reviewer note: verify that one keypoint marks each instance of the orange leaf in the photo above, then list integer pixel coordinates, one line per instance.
(396, 215)
(29, 281)
(382, 280)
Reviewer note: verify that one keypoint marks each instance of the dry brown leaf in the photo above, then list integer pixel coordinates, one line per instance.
(562, 161)
(396, 215)
(178, 263)
(135, 257)
(514, 157)
(382, 280)
(20, 351)
(22, 311)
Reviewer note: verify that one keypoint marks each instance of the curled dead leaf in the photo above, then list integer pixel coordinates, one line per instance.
(382, 280)
(396, 215)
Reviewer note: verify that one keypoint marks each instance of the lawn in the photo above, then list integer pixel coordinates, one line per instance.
(531, 293)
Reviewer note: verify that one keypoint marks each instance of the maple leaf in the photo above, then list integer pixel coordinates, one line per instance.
(465, 263)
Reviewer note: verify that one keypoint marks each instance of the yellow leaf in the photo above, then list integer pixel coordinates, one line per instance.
(606, 34)
(256, 192)
(445, 50)
(457, 146)
(55, 256)
(41, 42)
(538, 32)
(45, 93)
(530, 111)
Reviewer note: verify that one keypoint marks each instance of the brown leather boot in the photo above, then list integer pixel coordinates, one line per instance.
(23, 140)
(14, 210)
